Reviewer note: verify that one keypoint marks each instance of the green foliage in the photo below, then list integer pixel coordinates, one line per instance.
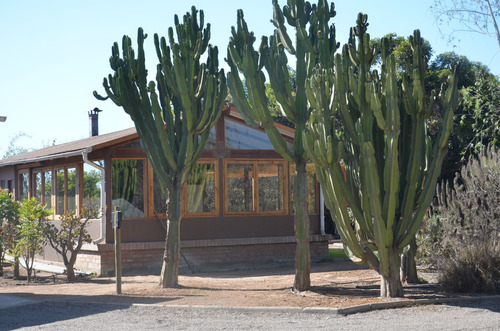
(379, 177)
(173, 116)
(462, 234)
(9, 210)
(476, 121)
(70, 233)
(30, 232)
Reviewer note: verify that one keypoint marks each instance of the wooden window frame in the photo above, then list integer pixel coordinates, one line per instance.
(255, 163)
(215, 213)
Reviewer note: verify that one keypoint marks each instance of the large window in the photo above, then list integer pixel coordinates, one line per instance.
(42, 182)
(252, 186)
(128, 187)
(66, 191)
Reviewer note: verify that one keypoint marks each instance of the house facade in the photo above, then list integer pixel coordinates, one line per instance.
(238, 206)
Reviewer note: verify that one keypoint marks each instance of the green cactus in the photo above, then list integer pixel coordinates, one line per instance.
(174, 116)
(314, 43)
(379, 174)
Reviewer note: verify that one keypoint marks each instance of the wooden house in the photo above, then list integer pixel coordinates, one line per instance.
(238, 210)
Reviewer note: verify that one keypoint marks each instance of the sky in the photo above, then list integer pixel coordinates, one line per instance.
(55, 53)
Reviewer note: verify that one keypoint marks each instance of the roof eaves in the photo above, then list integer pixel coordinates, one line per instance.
(47, 157)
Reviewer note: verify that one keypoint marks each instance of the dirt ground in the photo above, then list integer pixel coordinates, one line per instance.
(335, 284)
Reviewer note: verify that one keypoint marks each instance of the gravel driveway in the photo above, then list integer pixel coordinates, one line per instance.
(56, 315)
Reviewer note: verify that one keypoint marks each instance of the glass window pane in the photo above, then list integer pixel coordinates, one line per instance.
(60, 191)
(239, 136)
(71, 175)
(128, 187)
(91, 186)
(239, 187)
(270, 187)
(37, 182)
(160, 199)
(201, 189)
(47, 178)
(24, 185)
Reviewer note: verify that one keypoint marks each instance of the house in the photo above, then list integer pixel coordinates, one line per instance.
(238, 209)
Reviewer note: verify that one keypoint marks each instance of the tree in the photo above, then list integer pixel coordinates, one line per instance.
(314, 42)
(476, 119)
(68, 238)
(476, 16)
(30, 232)
(8, 218)
(174, 116)
(378, 175)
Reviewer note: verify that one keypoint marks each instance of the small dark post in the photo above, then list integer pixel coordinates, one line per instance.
(94, 121)
(117, 220)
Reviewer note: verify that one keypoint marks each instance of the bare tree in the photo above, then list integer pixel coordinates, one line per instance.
(478, 16)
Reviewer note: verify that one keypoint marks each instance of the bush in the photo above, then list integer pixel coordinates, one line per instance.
(461, 236)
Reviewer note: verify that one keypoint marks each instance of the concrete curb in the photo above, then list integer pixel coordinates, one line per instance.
(335, 311)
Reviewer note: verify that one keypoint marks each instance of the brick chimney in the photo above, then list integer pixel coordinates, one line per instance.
(94, 122)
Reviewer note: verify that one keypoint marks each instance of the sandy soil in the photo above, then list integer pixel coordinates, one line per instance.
(334, 284)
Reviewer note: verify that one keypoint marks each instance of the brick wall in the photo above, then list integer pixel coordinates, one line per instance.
(199, 256)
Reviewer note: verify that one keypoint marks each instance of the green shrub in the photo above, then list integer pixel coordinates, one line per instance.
(461, 236)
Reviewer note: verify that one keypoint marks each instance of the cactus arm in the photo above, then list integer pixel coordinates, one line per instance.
(450, 103)
(392, 132)
(279, 23)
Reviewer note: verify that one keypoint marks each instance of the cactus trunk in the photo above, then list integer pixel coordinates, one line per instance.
(390, 282)
(172, 255)
(302, 229)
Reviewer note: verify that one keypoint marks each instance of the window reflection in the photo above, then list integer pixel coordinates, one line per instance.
(239, 136)
(239, 187)
(160, 198)
(270, 187)
(128, 187)
(201, 189)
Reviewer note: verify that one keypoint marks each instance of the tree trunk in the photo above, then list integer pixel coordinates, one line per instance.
(172, 255)
(302, 230)
(70, 268)
(390, 284)
(408, 264)
(16, 268)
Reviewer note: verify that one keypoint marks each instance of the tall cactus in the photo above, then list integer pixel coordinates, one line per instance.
(314, 42)
(379, 174)
(174, 116)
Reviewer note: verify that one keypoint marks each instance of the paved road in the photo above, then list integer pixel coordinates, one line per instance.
(54, 315)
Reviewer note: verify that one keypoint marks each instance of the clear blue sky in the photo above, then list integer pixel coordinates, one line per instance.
(55, 53)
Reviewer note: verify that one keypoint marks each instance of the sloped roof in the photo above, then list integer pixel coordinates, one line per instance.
(72, 148)
(90, 144)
